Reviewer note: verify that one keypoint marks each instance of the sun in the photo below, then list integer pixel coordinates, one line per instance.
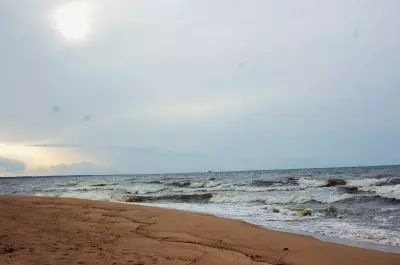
(73, 20)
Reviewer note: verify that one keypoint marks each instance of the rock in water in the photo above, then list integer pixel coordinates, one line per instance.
(134, 198)
(331, 211)
(303, 212)
(335, 182)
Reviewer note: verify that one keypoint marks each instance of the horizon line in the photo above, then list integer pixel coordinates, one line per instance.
(219, 171)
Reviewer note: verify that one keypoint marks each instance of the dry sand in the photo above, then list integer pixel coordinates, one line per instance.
(36, 230)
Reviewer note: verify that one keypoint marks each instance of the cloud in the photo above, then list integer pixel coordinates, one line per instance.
(194, 85)
(11, 166)
(80, 168)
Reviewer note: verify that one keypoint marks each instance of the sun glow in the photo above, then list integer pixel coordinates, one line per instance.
(34, 156)
(73, 20)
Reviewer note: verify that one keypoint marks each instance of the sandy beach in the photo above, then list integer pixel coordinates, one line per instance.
(38, 230)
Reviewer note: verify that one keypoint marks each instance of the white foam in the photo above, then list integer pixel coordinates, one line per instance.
(289, 220)
(198, 184)
(365, 182)
(144, 189)
(309, 182)
(389, 191)
(204, 184)
(231, 198)
(269, 206)
(298, 199)
(271, 188)
(89, 195)
(278, 199)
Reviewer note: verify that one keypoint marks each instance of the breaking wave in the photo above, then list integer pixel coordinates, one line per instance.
(309, 182)
(389, 191)
(299, 199)
(263, 183)
(179, 184)
(288, 199)
(366, 182)
(187, 198)
(304, 182)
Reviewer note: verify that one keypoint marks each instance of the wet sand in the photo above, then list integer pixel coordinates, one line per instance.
(38, 230)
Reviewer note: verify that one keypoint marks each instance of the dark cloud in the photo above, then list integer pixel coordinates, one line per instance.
(8, 165)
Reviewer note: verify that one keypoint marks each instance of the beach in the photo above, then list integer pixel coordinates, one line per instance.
(44, 230)
(359, 207)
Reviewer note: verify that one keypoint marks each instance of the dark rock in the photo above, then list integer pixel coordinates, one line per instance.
(331, 211)
(275, 210)
(134, 198)
(285, 249)
(335, 182)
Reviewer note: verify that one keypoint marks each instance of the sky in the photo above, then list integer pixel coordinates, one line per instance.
(153, 86)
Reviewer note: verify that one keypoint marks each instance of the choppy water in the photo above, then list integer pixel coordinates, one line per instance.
(356, 206)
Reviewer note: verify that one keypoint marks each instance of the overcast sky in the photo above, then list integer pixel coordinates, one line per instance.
(180, 86)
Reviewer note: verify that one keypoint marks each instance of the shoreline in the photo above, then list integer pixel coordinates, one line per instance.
(323, 238)
(41, 230)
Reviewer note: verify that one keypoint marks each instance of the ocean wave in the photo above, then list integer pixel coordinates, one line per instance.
(271, 188)
(304, 182)
(204, 184)
(154, 182)
(199, 184)
(366, 182)
(331, 182)
(184, 198)
(389, 191)
(348, 189)
(299, 199)
(393, 181)
(262, 183)
(144, 189)
(389, 209)
(68, 184)
(179, 184)
(309, 182)
(281, 213)
(230, 198)
(291, 181)
(288, 199)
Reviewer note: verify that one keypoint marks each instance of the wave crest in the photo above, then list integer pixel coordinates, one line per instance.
(187, 198)
(389, 191)
(366, 182)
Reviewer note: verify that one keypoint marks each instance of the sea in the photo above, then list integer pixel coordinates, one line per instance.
(358, 206)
